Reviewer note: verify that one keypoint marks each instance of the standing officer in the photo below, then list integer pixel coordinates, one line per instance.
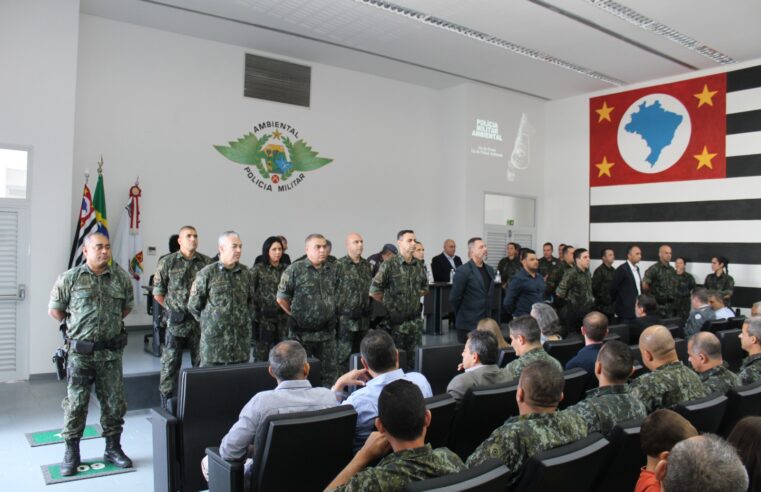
(353, 280)
(271, 323)
(171, 288)
(601, 280)
(660, 282)
(547, 263)
(398, 285)
(576, 290)
(93, 298)
(307, 294)
(685, 282)
(510, 264)
(222, 299)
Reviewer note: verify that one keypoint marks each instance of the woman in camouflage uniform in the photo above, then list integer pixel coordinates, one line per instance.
(685, 282)
(720, 280)
(270, 326)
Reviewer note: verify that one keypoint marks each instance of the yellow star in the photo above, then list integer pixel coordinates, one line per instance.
(704, 158)
(604, 112)
(276, 134)
(706, 96)
(604, 167)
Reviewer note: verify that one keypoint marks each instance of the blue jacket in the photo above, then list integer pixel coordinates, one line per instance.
(522, 292)
(585, 358)
(471, 302)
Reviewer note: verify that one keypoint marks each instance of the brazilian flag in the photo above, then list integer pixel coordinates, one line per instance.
(99, 205)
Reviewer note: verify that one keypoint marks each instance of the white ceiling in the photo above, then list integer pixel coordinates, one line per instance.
(358, 36)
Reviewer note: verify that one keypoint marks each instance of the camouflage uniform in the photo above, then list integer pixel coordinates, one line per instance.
(546, 266)
(222, 299)
(697, 319)
(507, 268)
(724, 284)
(519, 438)
(667, 386)
(750, 371)
(311, 292)
(684, 285)
(402, 284)
(352, 304)
(515, 368)
(398, 469)
(661, 280)
(554, 280)
(576, 290)
(270, 321)
(94, 305)
(601, 290)
(603, 408)
(173, 278)
(720, 379)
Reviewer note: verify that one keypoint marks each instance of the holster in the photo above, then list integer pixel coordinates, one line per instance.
(177, 317)
(396, 319)
(86, 347)
(60, 358)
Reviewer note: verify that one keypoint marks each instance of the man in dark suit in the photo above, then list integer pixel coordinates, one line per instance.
(472, 290)
(627, 285)
(646, 311)
(443, 264)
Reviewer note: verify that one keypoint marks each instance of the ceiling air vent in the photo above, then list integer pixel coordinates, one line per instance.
(277, 80)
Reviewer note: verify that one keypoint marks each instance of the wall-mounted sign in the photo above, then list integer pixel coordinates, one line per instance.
(274, 161)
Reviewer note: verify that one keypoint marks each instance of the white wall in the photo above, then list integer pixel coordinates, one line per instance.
(38, 48)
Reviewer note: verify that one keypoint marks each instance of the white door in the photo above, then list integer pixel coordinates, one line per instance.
(508, 219)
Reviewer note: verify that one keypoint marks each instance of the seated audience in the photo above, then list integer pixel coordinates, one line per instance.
(491, 325)
(659, 433)
(594, 328)
(700, 313)
(611, 403)
(525, 340)
(294, 393)
(746, 438)
(538, 428)
(402, 423)
(380, 366)
(720, 311)
(547, 318)
(479, 360)
(704, 352)
(646, 315)
(669, 382)
(702, 463)
(750, 340)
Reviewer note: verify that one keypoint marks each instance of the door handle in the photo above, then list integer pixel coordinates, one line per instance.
(20, 296)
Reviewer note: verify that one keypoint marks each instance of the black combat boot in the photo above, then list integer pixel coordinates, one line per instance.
(71, 460)
(164, 399)
(114, 453)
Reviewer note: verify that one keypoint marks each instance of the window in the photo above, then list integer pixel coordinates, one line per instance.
(13, 173)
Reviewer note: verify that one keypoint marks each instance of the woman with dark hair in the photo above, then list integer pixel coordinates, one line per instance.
(746, 438)
(270, 322)
(685, 282)
(720, 280)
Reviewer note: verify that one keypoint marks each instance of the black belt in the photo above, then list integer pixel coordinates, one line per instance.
(87, 347)
(399, 318)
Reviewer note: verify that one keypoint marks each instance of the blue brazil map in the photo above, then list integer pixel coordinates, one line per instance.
(656, 126)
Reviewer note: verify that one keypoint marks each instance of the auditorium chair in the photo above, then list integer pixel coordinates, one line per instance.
(625, 458)
(481, 410)
(574, 467)
(743, 401)
(704, 413)
(575, 386)
(621, 330)
(443, 408)
(296, 451)
(676, 321)
(715, 325)
(680, 345)
(438, 363)
(611, 337)
(490, 476)
(636, 354)
(506, 356)
(736, 322)
(639, 370)
(731, 349)
(677, 331)
(564, 350)
(208, 404)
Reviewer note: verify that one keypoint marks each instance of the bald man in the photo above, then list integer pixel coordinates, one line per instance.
(443, 264)
(353, 277)
(660, 282)
(669, 382)
(704, 351)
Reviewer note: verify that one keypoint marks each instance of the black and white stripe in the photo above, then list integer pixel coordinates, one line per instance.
(698, 219)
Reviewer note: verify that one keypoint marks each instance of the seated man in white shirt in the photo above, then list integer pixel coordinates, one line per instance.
(380, 366)
(717, 304)
(294, 393)
(479, 359)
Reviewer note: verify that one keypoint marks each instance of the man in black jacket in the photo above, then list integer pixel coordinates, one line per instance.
(443, 264)
(627, 285)
(472, 290)
(526, 287)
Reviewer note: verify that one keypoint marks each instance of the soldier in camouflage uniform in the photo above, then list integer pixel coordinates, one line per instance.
(353, 278)
(720, 280)
(685, 282)
(400, 407)
(601, 284)
(704, 352)
(171, 288)
(558, 273)
(538, 428)
(525, 338)
(660, 282)
(399, 284)
(307, 293)
(750, 340)
(576, 290)
(270, 322)
(510, 264)
(670, 382)
(547, 263)
(610, 403)
(222, 299)
(93, 298)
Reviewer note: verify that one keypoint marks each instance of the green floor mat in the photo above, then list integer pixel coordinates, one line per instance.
(90, 468)
(53, 436)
